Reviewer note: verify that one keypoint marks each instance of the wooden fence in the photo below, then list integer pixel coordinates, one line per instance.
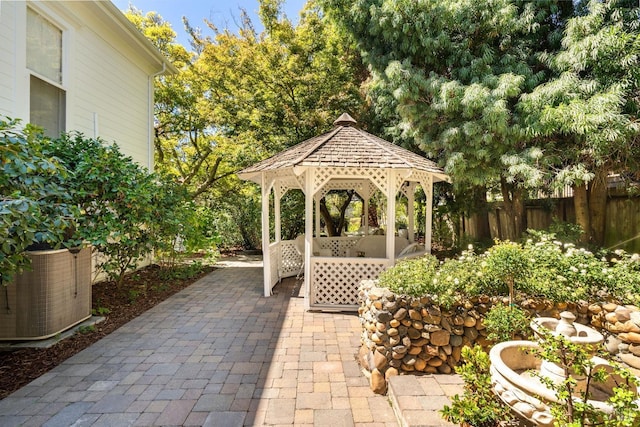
(622, 229)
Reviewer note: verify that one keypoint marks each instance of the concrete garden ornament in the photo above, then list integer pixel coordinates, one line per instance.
(521, 377)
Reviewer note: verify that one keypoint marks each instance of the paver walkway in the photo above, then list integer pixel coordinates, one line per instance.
(215, 354)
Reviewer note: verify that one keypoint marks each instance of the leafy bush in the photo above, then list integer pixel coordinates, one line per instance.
(75, 190)
(116, 197)
(34, 208)
(508, 263)
(543, 268)
(573, 408)
(463, 274)
(506, 323)
(623, 277)
(180, 227)
(413, 277)
(562, 272)
(478, 406)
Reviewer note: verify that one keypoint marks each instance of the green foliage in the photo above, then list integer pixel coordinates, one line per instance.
(466, 275)
(133, 294)
(180, 227)
(562, 272)
(86, 329)
(417, 277)
(573, 408)
(623, 277)
(478, 406)
(237, 218)
(185, 271)
(507, 262)
(508, 95)
(506, 323)
(34, 208)
(544, 268)
(100, 311)
(565, 232)
(75, 190)
(116, 197)
(241, 96)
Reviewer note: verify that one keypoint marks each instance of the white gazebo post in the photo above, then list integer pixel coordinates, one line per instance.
(266, 259)
(316, 198)
(411, 198)
(365, 209)
(391, 215)
(428, 222)
(277, 195)
(308, 232)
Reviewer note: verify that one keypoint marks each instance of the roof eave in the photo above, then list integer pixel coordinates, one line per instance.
(131, 32)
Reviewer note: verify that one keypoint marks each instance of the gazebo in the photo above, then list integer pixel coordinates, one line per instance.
(346, 158)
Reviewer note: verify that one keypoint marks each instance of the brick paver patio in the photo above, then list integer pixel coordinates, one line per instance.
(216, 354)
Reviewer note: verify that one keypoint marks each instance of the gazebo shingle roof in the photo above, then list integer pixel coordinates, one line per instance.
(345, 146)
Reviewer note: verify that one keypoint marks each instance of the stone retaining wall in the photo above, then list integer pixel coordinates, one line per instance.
(407, 335)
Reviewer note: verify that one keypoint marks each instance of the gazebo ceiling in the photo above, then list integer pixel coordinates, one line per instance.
(346, 146)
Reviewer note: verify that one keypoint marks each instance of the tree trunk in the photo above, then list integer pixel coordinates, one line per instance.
(373, 214)
(510, 212)
(479, 217)
(598, 206)
(333, 228)
(519, 211)
(515, 212)
(581, 205)
(328, 220)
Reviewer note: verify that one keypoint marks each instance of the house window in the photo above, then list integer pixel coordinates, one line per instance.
(47, 97)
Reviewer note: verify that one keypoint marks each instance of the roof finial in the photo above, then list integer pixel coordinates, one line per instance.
(345, 120)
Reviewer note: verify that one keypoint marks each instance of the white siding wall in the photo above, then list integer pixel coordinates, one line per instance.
(108, 83)
(7, 58)
(106, 80)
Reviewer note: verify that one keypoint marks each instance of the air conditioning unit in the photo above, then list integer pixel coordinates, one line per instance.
(51, 297)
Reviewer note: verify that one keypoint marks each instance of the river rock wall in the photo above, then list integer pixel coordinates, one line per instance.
(403, 335)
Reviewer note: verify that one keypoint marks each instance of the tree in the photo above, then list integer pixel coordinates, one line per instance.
(341, 199)
(496, 92)
(589, 110)
(455, 71)
(243, 96)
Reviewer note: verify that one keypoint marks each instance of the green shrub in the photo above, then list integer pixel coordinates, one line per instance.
(464, 274)
(563, 272)
(623, 277)
(573, 408)
(478, 406)
(180, 227)
(508, 263)
(411, 277)
(34, 207)
(505, 323)
(540, 267)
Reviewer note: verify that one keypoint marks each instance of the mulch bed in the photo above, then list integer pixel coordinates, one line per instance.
(139, 292)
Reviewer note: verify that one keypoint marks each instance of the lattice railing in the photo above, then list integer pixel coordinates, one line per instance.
(290, 259)
(274, 255)
(337, 245)
(335, 281)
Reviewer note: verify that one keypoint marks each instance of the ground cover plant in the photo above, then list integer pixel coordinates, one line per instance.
(574, 408)
(478, 406)
(540, 267)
